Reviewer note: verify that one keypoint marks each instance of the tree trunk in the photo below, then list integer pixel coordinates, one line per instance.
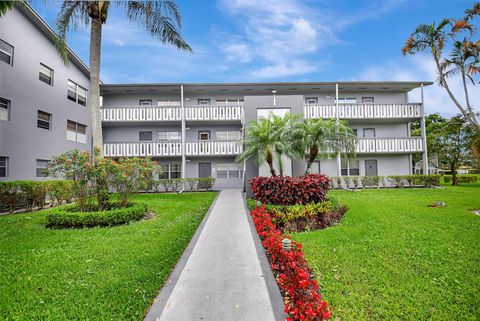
(453, 168)
(270, 163)
(94, 97)
(312, 156)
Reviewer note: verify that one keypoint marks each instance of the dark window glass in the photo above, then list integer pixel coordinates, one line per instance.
(4, 109)
(43, 120)
(46, 74)
(145, 136)
(6, 52)
(3, 166)
(41, 165)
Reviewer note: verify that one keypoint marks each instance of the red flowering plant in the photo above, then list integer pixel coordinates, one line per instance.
(302, 297)
(286, 190)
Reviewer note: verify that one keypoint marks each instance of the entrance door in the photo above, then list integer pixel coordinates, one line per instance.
(204, 171)
(371, 167)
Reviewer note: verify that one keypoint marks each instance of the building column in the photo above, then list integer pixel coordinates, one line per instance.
(424, 136)
(339, 159)
(182, 107)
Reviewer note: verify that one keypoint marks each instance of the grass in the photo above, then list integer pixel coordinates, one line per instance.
(394, 258)
(98, 273)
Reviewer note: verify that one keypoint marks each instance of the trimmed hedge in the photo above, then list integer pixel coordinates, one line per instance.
(287, 190)
(69, 216)
(175, 184)
(399, 181)
(461, 178)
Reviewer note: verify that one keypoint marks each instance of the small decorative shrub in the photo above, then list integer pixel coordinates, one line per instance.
(59, 191)
(339, 182)
(286, 190)
(10, 194)
(356, 181)
(70, 216)
(461, 178)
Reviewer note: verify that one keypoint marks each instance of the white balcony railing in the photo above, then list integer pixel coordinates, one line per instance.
(142, 149)
(158, 149)
(364, 111)
(200, 148)
(390, 145)
(169, 113)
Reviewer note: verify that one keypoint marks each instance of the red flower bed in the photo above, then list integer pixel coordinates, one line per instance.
(302, 297)
(288, 190)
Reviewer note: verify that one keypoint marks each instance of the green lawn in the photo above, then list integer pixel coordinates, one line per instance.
(93, 274)
(393, 258)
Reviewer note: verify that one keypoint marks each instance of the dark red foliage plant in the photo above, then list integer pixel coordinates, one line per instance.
(287, 190)
(300, 291)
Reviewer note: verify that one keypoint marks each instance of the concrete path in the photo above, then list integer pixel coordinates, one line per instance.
(222, 278)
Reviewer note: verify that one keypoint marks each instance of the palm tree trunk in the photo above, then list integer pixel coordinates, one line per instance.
(270, 163)
(467, 98)
(94, 97)
(312, 156)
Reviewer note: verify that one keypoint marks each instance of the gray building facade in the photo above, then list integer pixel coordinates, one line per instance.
(43, 102)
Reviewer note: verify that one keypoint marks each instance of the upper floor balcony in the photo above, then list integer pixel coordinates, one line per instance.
(172, 113)
(365, 111)
(390, 145)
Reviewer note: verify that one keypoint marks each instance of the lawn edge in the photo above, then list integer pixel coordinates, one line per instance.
(276, 298)
(158, 304)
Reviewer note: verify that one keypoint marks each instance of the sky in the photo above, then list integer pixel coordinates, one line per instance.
(276, 40)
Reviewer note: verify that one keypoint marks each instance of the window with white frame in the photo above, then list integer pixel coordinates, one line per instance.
(46, 74)
(203, 101)
(41, 166)
(3, 166)
(173, 135)
(6, 52)
(44, 120)
(170, 171)
(346, 100)
(228, 135)
(369, 132)
(76, 132)
(145, 102)
(227, 102)
(77, 93)
(4, 109)
(311, 100)
(368, 100)
(145, 136)
(229, 171)
(350, 167)
(168, 103)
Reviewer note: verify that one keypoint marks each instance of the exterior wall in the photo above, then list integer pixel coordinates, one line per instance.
(383, 130)
(20, 139)
(386, 165)
(220, 183)
(131, 133)
(328, 98)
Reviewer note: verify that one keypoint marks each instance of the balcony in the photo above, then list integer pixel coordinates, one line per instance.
(171, 113)
(168, 149)
(364, 111)
(212, 148)
(390, 145)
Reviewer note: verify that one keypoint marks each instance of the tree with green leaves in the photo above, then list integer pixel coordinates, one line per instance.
(159, 18)
(433, 124)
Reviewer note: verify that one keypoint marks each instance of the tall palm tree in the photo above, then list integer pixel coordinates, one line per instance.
(160, 18)
(282, 135)
(6, 6)
(320, 137)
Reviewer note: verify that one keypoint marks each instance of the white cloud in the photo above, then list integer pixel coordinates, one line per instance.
(239, 52)
(422, 68)
(118, 42)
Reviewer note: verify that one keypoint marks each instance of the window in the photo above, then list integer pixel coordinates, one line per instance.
(347, 100)
(228, 135)
(367, 100)
(204, 101)
(3, 166)
(44, 120)
(311, 100)
(168, 103)
(4, 109)
(76, 132)
(170, 171)
(369, 132)
(204, 135)
(229, 171)
(41, 166)
(169, 136)
(145, 102)
(77, 93)
(355, 131)
(227, 102)
(46, 74)
(6, 53)
(350, 168)
(145, 136)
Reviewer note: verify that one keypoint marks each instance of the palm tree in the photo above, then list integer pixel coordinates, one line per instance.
(160, 18)
(282, 136)
(324, 137)
(6, 6)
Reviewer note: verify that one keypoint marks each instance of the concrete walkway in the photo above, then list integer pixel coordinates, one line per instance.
(222, 278)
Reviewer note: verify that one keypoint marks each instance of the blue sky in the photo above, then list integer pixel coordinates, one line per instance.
(269, 40)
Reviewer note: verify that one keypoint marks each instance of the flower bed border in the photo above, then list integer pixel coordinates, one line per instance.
(294, 277)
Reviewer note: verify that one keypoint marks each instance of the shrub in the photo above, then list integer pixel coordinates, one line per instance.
(205, 182)
(70, 216)
(10, 194)
(356, 181)
(286, 190)
(59, 191)
(348, 181)
(461, 178)
(302, 297)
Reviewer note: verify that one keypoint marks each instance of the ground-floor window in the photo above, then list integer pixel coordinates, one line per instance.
(3, 166)
(350, 167)
(229, 171)
(41, 166)
(170, 171)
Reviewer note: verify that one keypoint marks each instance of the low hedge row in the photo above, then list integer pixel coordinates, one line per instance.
(70, 217)
(287, 190)
(175, 184)
(28, 194)
(461, 178)
(399, 181)
(294, 277)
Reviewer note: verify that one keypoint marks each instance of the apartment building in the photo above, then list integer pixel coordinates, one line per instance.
(43, 102)
(194, 130)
